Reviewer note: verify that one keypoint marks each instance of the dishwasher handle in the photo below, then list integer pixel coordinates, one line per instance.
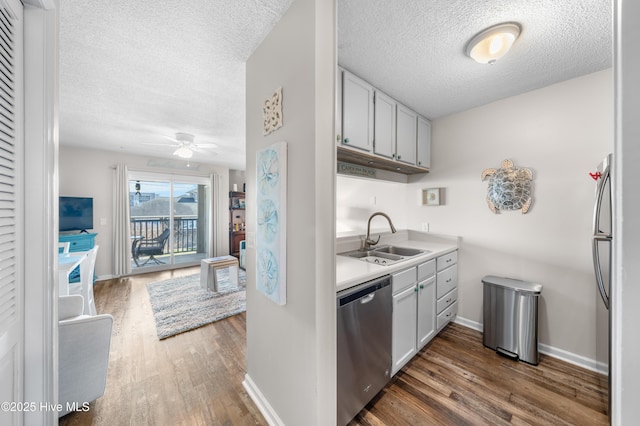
(368, 298)
(364, 292)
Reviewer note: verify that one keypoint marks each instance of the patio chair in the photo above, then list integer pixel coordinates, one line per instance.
(151, 247)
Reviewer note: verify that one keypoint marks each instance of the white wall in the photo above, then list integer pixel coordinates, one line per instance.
(236, 177)
(89, 173)
(291, 349)
(561, 132)
(357, 198)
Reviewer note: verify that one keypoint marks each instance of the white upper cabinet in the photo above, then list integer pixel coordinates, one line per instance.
(424, 142)
(374, 130)
(406, 134)
(385, 125)
(357, 112)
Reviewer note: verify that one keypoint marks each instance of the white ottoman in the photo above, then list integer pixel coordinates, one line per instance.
(209, 272)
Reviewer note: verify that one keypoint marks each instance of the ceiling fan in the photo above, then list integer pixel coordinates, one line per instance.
(185, 145)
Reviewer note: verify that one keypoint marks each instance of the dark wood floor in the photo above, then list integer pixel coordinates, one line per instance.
(195, 378)
(455, 380)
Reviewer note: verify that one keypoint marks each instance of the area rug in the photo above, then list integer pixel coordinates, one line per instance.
(180, 304)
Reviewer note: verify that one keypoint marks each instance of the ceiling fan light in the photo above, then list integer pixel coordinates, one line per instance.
(183, 152)
(493, 43)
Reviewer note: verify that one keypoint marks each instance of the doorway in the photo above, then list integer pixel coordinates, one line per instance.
(170, 220)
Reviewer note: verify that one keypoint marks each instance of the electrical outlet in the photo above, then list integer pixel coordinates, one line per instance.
(425, 227)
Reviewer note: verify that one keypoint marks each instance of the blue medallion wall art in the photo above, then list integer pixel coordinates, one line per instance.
(271, 237)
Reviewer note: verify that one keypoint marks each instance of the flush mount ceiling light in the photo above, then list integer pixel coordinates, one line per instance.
(493, 43)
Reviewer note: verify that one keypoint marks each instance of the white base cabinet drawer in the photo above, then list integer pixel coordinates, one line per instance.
(447, 280)
(447, 260)
(447, 300)
(426, 269)
(447, 315)
(403, 279)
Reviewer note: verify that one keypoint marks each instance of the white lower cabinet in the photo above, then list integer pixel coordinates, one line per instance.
(421, 306)
(414, 307)
(447, 289)
(404, 327)
(426, 311)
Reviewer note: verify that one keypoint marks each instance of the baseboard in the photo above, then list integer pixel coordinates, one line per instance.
(468, 323)
(571, 358)
(261, 402)
(104, 277)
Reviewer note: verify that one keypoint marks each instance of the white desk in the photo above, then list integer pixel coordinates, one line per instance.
(67, 262)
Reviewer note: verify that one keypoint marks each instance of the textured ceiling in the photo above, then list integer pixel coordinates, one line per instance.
(414, 49)
(135, 72)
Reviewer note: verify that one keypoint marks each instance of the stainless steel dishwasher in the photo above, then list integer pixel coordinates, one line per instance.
(364, 344)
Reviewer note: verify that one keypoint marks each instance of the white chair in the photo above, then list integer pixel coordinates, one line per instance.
(85, 286)
(83, 347)
(63, 247)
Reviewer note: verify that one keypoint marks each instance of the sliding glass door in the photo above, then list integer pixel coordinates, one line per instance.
(170, 220)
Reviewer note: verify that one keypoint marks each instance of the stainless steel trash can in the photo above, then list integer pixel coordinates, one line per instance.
(510, 310)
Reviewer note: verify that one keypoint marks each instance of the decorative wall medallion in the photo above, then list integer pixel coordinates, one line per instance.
(272, 112)
(509, 187)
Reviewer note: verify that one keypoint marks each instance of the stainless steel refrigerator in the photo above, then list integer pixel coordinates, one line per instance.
(602, 249)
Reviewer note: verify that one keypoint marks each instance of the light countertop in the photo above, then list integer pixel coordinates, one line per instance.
(351, 271)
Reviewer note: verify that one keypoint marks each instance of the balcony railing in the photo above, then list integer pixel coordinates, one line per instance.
(184, 233)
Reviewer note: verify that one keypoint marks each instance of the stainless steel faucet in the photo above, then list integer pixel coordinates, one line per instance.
(368, 242)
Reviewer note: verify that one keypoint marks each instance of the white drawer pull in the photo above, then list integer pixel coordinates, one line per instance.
(449, 280)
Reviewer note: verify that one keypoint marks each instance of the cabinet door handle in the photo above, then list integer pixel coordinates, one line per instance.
(419, 163)
(421, 286)
(449, 280)
(399, 157)
(346, 140)
(415, 289)
(449, 260)
(393, 156)
(338, 138)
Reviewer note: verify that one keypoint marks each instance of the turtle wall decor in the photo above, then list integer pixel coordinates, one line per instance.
(509, 187)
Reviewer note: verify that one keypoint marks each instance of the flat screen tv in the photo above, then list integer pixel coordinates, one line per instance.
(75, 213)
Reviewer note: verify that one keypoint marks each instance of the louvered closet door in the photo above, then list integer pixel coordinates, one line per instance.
(11, 210)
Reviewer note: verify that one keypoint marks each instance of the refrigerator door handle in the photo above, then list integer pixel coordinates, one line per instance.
(598, 269)
(600, 187)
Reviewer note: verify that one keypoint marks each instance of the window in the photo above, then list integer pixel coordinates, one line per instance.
(179, 204)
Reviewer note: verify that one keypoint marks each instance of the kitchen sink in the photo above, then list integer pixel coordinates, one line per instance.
(384, 255)
(400, 251)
